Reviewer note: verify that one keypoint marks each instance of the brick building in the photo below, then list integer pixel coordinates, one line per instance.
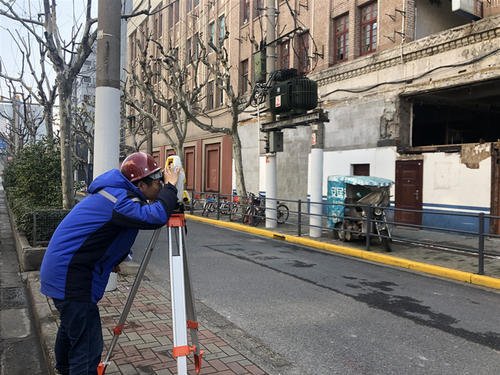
(411, 89)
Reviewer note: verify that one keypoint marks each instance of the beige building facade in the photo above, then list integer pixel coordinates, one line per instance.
(411, 89)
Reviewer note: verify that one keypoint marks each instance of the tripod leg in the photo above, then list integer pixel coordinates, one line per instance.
(181, 348)
(130, 299)
(192, 322)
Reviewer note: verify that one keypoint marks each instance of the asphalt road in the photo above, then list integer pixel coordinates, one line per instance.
(329, 314)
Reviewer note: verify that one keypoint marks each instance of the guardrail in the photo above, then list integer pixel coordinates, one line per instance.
(253, 212)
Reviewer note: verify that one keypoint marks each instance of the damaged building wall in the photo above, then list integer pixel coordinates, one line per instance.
(357, 123)
(447, 180)
(434, 16)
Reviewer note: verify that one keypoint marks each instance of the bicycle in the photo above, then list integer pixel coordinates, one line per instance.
(209, 206)
(282, 213)
(256, 211)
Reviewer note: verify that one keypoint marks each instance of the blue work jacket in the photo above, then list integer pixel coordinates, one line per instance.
(97, 235)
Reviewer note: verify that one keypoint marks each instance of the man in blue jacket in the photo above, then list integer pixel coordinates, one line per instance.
(94, 238)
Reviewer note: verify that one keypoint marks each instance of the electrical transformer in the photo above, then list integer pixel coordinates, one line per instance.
(291, 94)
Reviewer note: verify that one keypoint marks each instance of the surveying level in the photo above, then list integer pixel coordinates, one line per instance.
(174, 161)
(183, 311)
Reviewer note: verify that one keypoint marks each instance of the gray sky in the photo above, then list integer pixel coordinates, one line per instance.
(69, 13)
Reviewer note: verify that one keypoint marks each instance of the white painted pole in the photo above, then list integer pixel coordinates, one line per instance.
(316, 192)
(107, 130)
(107, 98)
(271, 182)
(271, 190)
(316, 182)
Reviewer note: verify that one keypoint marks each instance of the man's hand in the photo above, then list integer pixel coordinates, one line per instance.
(171, 175)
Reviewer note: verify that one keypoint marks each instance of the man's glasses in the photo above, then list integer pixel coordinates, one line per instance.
(156, 176)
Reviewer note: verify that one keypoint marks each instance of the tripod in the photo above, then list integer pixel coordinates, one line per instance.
(183, 311)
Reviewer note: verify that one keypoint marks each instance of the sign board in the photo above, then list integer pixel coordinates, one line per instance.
(471, 9)
(277, 101)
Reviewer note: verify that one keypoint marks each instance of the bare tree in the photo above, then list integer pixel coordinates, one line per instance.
(137, 115)
(83, 131)
(24, 120)
(43, 91)
(67, 58)
(159, 76)
(225, 77)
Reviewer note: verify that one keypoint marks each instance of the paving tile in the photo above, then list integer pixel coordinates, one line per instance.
(146, 345)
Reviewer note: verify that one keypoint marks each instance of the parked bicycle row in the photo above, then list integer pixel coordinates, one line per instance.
(249, 210)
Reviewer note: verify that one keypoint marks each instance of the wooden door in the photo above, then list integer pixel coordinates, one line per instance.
(212, 167)
(495, 187)
(409, 179)
(189, 167)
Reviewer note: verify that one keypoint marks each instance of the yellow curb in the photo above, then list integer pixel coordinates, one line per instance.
(448, 273)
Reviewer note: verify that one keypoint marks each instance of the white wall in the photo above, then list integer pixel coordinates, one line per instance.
(382, 162)
(447, 181)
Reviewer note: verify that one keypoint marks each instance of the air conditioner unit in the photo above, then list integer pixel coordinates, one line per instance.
(471, 9)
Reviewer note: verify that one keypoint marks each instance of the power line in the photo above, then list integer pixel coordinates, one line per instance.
(364, 89)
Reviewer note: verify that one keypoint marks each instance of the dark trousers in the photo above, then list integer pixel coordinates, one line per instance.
(79, 338)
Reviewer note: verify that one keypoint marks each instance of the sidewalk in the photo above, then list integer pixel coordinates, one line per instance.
(145, 346)
(20, 351)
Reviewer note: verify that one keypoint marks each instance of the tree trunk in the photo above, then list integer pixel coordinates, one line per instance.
(64, 89)
(238, 161)
(47, 119)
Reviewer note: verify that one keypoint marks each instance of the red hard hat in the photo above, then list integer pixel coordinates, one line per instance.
(138, 165)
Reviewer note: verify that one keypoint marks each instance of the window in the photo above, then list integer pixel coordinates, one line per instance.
(340, 38)
(211, 33)
(170, 11)
(303, 53)
(160, 24)
(132, 42)
(284, 55)
(157, 113)
(219, 93)
(222, 29)
(360, 169)
(243, 76)
(258, 9)
(169, 106)
(195, 47)
(176, 11)
(189, 49)
(368, 28)
(245, 11)
(210, 95)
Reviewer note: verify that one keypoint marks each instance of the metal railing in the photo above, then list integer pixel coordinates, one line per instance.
(471, 242)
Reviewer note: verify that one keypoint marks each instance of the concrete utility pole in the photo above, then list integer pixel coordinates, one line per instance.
(107, 107)
(271, 189)
(316, 176)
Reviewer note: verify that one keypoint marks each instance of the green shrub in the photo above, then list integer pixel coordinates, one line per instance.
(35, 173)
(32, 182)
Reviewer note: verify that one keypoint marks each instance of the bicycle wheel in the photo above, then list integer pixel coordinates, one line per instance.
(224, 208)
(208, 207)
(282, 213)
(258, 216)
(247, 217)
